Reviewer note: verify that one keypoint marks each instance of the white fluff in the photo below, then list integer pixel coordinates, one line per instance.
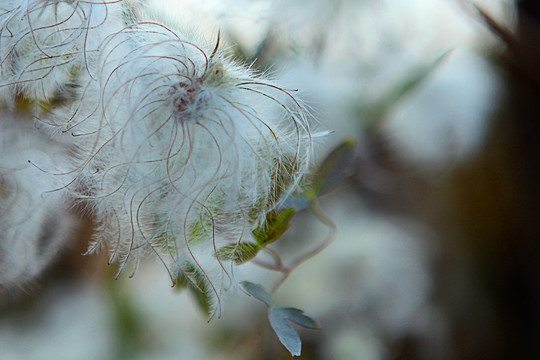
(34, 219)
(178, 150)
(45, 44)
(191, 149)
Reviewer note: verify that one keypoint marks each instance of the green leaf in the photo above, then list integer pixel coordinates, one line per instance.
(335, 169)
(202, 299)
(239, 253)
(182, 282)
(258, 292)
(281, 319)
(298, 317)
(276, 224)
(197, 231)
(204, 227)
(285, 331)
(195, 281)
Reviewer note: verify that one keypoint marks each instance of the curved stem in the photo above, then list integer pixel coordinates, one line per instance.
(324, 219)
(266, 265)
(277, 265)
(277, 258)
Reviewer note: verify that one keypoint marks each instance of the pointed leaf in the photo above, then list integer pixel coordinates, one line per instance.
(258, 292)
(181, 282)
(276, 224)
(285, 331)
(195, 281)
(202, 299)
(239, 253)
(335, 169)
(298, 317)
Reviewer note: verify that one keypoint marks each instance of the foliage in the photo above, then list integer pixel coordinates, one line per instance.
(281, 319)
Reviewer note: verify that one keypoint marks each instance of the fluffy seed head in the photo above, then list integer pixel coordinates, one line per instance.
(179, 150)
(45, 44)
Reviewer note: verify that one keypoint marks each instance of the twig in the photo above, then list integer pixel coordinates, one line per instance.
(324, 219)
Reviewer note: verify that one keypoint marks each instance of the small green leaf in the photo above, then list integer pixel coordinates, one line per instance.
(181, 282)
(285, 331)
(335, 169)
(258, 292)
(298, 317)
(204, 227)
(239, 253)
(281, 318)
(195, 281)
(276, 224)
(202, 299)
(197, 232)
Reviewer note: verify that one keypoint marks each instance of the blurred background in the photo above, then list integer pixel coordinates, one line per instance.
(437, 254)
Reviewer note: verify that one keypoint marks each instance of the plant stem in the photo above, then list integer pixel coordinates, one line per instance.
(324, 219)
